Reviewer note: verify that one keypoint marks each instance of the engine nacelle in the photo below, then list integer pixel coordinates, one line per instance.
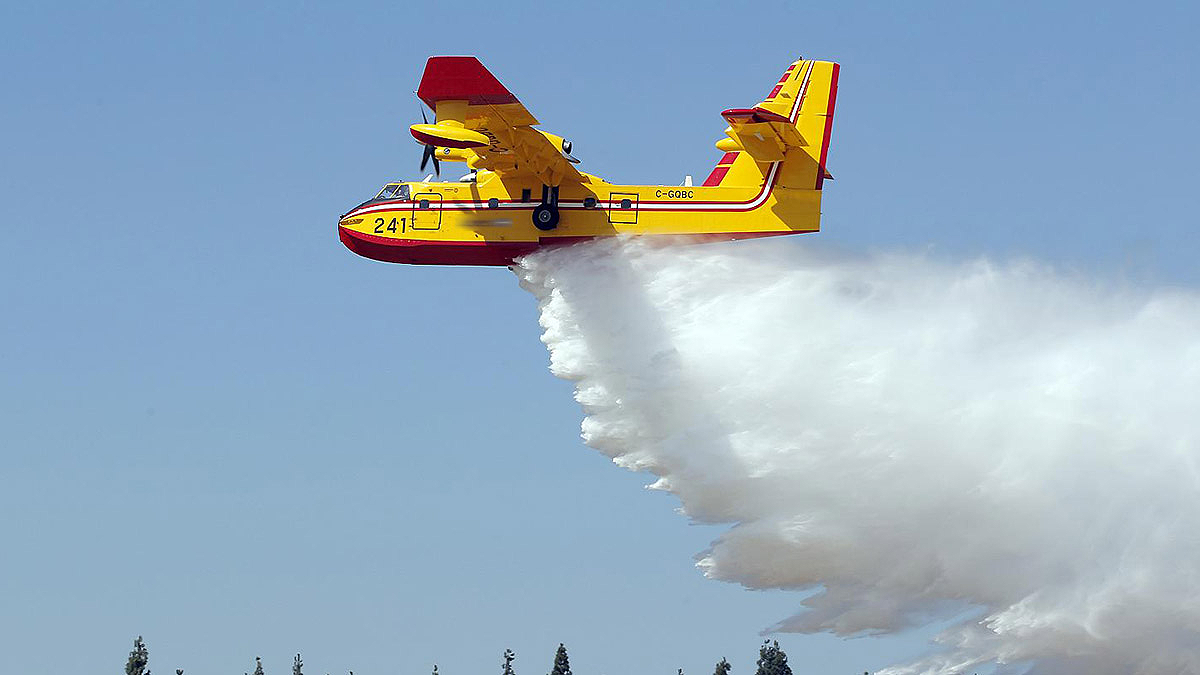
(445, 154)
(563, 144)
(447, 136)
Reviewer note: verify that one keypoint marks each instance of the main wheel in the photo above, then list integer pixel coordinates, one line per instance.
(545, 217)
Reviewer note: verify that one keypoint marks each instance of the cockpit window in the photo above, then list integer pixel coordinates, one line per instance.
(388, 191)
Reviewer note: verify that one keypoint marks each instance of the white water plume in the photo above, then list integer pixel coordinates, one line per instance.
(914, 438)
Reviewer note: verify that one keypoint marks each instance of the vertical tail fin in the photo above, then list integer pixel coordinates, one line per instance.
(793, 126)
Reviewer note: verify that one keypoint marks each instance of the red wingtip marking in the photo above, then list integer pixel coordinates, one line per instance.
(457, 78)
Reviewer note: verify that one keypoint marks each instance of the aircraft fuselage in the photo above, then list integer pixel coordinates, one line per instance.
(489, 222)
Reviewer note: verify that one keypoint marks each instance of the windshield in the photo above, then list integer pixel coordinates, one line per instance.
(393, 191)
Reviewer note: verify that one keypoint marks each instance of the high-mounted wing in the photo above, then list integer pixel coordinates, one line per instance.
(488, 126)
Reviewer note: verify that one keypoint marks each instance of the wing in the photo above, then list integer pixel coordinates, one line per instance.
(465, 95)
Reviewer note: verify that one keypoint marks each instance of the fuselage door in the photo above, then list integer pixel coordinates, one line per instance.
(427, 211)
(623, 208)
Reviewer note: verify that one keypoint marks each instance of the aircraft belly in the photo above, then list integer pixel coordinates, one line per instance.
(434, 251)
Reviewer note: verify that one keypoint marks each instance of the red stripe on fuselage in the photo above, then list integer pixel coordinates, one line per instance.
(472, 205)
(489, 253)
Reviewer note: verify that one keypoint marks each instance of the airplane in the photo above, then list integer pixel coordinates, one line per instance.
(524, 191)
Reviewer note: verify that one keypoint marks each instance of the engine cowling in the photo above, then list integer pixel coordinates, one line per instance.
(446, 136)
(445, 154)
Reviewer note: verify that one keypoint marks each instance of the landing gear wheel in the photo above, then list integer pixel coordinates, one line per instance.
(545, 217)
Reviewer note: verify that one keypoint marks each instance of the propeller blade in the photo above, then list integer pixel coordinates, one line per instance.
(421, 106)
(437, 169)
(426, 155)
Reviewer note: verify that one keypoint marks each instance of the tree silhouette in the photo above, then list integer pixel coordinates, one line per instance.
(723, 667)
(139, 658)
(562, 666)
(772, 660)
(781, 664)
(296, 664)
(258, 665)
(509, 657)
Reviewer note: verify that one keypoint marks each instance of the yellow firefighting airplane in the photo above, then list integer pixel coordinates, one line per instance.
(524, 192)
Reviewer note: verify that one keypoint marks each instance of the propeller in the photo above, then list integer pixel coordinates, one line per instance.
(429, 152)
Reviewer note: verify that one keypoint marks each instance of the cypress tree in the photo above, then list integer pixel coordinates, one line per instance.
(509, 657)
(781, 664)
(139, 658)
(258, 665)
(766, 664)
(562, 666)
(296, 664)
(723, 667)
(772, 660)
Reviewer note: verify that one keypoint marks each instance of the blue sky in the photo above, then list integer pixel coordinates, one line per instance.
(221, 430)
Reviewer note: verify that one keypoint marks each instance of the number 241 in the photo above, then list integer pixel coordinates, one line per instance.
(390, 227)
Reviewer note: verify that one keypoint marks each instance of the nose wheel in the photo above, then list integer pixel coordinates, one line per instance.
(545, 215)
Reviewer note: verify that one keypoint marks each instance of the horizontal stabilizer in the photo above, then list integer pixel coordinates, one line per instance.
(747, 115)
(792, 125)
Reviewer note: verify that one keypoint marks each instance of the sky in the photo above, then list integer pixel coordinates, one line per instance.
(221, 430)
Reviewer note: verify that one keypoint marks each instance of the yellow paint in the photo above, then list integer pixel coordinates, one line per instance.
(445, 131)
(771, 187)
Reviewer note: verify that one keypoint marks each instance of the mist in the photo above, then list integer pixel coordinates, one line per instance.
(910, 439)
